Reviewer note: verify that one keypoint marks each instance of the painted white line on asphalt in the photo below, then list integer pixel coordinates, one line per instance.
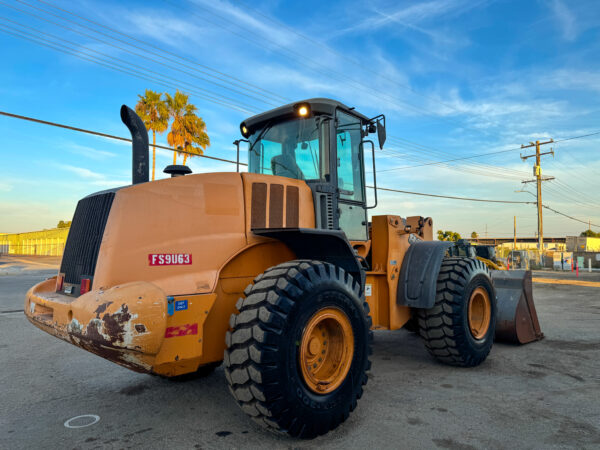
(88, 419)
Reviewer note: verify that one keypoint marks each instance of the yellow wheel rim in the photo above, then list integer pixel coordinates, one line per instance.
(326, 350)
(480, 313)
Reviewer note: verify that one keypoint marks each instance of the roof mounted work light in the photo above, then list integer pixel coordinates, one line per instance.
(302, 109)
(244, 130)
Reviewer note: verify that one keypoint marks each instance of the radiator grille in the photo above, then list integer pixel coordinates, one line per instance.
(258, 213)
(276, 206)
(292, 209)
(267, 202)
(85, 236)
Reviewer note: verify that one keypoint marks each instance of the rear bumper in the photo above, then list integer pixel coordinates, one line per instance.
(125, 324)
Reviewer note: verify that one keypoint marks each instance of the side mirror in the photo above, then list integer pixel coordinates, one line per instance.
(381, 135)
(374, 169)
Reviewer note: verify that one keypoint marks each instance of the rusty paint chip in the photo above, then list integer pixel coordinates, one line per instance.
(101, 308)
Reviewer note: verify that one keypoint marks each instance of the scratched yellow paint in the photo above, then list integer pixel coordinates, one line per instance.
(571, 282)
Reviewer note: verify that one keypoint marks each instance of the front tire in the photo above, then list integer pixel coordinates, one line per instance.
(297, 354)
(459, 328)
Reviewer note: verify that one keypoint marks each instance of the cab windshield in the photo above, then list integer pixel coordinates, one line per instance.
(292, 149)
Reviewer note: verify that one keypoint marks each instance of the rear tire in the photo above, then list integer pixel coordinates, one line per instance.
(266, 347)
(459, 328)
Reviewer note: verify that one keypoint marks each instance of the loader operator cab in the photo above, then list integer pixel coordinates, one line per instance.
(322, 142)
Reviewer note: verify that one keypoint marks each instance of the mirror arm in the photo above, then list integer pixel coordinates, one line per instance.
(379, 121)
(374, 119)
(237, 145)
(374, 174)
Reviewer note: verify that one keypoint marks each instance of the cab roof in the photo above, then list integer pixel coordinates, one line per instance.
(317, 106)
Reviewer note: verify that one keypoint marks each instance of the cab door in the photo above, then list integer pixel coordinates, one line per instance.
(351, 177)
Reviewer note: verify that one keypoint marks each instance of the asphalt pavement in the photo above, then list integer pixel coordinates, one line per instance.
(541, 395)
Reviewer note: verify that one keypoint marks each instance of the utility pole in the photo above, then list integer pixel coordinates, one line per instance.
(515, 230)
(537, 172)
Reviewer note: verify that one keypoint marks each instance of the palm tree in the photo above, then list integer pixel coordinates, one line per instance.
(155, 115)
(188, 131)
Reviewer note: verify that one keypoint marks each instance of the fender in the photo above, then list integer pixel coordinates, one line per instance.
(419, 273)
(330, 246)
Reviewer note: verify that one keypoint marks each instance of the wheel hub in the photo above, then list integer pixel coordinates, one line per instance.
(480, 313)
(326, 350)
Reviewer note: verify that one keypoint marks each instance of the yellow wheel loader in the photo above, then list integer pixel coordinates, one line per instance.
(517, 320)
(276, 272)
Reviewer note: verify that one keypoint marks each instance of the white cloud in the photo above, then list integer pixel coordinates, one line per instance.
(252, 21)
(5, 187)
(88, 152)
(570, 79)
(565, 18)
(162, 26)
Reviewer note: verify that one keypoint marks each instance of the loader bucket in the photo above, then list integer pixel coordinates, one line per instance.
(517, 320)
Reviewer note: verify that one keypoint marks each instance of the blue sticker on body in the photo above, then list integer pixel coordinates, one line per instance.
(180, 305)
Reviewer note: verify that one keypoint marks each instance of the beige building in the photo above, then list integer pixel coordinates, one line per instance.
(46, 242)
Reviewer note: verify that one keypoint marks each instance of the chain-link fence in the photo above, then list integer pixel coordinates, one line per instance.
(548, 259)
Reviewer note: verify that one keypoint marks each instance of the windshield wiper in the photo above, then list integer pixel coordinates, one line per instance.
(260, 135)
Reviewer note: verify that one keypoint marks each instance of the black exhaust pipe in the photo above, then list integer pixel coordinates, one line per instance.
(140, 171)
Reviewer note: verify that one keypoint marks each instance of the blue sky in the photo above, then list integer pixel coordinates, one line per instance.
(454, 78)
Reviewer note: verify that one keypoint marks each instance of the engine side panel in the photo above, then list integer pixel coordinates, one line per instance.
(201, 216)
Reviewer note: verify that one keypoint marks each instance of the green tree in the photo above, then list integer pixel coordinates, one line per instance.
(188, 131)
(448, 236)
(153, 111)
(589, 233)
(474, 235)
(63, 224)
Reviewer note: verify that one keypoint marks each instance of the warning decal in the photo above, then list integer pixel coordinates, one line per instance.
(182, 330)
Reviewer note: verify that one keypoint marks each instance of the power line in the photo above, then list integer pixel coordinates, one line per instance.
(350, 59)
(224, 74)
(476, 168)
(144, 43)
(483, 154)
(236, 106)
(331, 73)
(481, 170)
(570, 217)
(425, 150)
(236, 81)
(76, 51)
(451, 197)
(110, 136)
(112, 66)
(578, 137)
(138, 74)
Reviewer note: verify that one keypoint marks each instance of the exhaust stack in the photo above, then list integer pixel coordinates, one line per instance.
(139, 146)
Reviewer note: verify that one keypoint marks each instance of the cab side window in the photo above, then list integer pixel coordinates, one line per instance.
(348, 139)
